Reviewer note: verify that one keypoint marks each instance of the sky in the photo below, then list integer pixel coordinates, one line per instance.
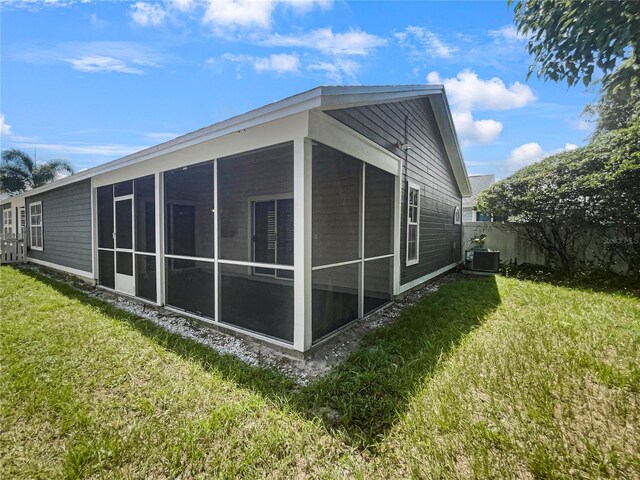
(92, 81)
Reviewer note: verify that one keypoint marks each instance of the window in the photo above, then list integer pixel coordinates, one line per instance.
(456, 216)
(6, 221)
(35, 225)
(23, 222)
(413, 223)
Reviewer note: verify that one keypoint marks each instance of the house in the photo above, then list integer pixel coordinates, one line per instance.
(285, 223)
(479, 183)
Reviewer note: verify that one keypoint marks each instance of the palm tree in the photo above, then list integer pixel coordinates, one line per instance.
(19, 171)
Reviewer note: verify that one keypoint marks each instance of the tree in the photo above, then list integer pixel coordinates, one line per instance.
(616, 108)
(19, 171)
(569, 39)
(567, 201)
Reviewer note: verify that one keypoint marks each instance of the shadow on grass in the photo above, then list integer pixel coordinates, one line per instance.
(363, 396)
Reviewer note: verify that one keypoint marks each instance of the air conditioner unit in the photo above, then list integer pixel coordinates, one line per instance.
(485, 260)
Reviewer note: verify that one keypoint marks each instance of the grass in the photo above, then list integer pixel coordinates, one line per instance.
(486, 378)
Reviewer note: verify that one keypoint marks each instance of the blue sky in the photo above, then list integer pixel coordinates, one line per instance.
(91, 81)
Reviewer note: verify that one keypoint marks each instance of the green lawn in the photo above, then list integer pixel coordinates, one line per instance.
(500, 378)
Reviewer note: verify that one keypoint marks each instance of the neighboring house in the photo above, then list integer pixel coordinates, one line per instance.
(285, 223)
(479, 183)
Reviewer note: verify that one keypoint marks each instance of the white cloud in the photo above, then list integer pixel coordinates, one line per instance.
(239, 13)
(5, 128)
(147, 14)
(337, 70)
(467, 92)
(99, 64)
(421, 42)
(92, 57)
(531, 153)
(224, 15)
(279, 63)
(472, 131)
(524, 155)
(581, 125)
(182, 5)
(352, 42)
(507, 33)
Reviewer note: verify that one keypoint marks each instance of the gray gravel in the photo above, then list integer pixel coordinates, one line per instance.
(302, 371)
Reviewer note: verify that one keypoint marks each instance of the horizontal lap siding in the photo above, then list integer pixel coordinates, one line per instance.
(66, 226)
(427, 165)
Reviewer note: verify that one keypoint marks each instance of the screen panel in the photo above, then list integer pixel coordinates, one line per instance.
(336, 206)
(105, 216)
(246, 181)
(190, 286)
(378, 212)
(189, 202)
(334, 297)
(257, 303)
(145, 214)
(123, 188)
(124, 263)
(146, 277)
(106, 268)
(124, 224)
(378, 283)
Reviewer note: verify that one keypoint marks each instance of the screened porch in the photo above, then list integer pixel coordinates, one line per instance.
(288, 243)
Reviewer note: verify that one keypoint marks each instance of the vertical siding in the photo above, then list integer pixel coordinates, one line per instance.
(428, 166)
(66, 225)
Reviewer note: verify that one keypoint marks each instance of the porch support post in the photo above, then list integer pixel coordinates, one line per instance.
(302, 337)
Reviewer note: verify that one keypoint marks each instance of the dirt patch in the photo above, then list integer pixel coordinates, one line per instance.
(302, 371)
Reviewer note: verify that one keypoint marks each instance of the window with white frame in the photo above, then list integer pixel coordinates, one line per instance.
(413, 223)
(6, 221)
(35, 225)
(456, 216)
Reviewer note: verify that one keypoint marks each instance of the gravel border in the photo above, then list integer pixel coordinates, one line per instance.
(302, 371)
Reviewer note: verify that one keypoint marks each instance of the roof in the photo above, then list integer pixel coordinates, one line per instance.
(479, 183)
(319, 98)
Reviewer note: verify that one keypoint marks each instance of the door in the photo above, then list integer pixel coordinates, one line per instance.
(123, 235)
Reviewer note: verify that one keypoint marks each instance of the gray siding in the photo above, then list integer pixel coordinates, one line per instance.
(428, 166)
(66, 225)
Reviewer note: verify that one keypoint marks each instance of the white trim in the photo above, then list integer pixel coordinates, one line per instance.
(339, 264)
(457, 216)
(379, 257)
(216, 246)
(258, 265)
(183, 257)
(412, 261)
(94, 232)
(39, 248)
(407, 286)
(330, 132)
(302, 243)
(62, 268)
